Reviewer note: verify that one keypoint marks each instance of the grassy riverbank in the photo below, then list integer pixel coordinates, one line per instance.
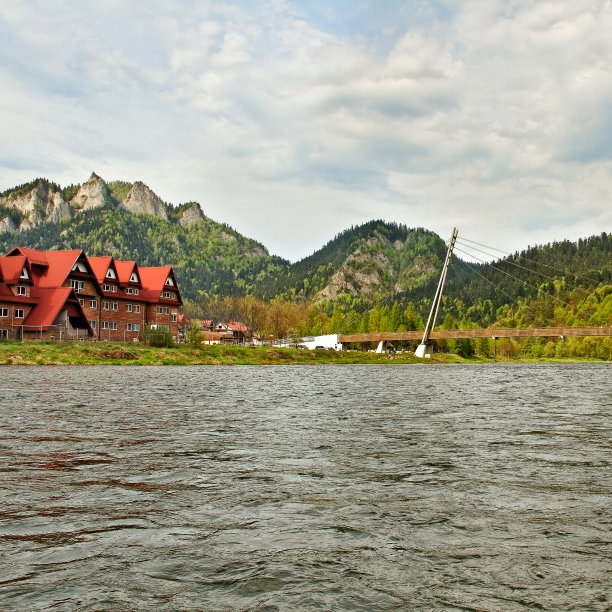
(117, 353)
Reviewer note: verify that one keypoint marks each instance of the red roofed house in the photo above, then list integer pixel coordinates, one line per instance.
(38, 294)
(233, 332)
(65, 294)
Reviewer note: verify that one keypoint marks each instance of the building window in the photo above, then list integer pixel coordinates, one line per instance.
(113, 324)
(129, 291)
(136, 307)
(135, 291)
(105, 305)
(93, 324)
(81, 301)
(128, 327)
(136, 327)
(170, 282)
(110, 273)
(163, 310)
(134, 278)
(19, 313)
(77, 285)
(3, 312)
(174, 317)
(22, 290)
(128, 308)
(114, 288)
(24, 273)
(93, 304)
(115, 305)
(105, 325)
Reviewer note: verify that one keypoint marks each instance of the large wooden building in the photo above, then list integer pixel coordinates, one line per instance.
(67, 295)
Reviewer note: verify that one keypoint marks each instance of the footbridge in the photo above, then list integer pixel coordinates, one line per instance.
(495, 333)
(425, 348)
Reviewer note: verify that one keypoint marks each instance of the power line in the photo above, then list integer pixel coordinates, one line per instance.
(533, 261)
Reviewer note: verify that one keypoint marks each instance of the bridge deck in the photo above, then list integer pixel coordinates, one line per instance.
(451, 334)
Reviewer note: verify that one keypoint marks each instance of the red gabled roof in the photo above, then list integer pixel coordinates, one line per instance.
(11, 268)
(34, 256)
(237, 326)
(57, 264)
(50, 303)
(60, 266)
(100, 266)
(154, 280)
(124, 270)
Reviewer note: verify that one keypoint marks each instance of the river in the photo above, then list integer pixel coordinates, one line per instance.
(418, 487)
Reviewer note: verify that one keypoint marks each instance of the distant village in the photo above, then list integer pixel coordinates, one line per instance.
(67, 295)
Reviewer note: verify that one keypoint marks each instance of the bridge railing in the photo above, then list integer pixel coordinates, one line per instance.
(451, 334)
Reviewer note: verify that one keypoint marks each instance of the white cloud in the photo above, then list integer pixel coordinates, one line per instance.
(293, 121)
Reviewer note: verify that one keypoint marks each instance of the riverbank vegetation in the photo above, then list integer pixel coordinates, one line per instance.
(556, 305)
(103, 353)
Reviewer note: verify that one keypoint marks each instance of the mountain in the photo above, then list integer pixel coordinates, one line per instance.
(374, 263)
(129, 221)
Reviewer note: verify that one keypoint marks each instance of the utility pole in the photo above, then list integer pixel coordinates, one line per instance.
(425, 349)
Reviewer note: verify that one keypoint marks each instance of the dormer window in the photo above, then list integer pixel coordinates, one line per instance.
(134, 278)
(22, 290)
(110, 273)
(169, 282)
(24, 274)
(79, 266)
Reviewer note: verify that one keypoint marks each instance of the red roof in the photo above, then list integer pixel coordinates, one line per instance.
(57, 264)
(49, 270)
(51, 301)
(124, 270)
(100, 266)
(237, 326)
(60, 266)
(154, 282)
(11, 268)
(34, 256)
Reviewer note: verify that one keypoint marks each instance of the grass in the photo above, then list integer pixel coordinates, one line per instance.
(38, 352)
(116, 353)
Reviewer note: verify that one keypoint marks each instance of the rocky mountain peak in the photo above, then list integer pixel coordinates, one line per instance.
(34, 206)
(92, 194)
(192, 214)
(141, 199)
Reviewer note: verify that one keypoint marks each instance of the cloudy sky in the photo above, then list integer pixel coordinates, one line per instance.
(292, 120)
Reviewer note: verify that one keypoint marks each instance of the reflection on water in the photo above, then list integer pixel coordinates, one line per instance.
(300, 488)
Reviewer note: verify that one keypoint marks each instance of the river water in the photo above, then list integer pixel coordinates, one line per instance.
(419, 487)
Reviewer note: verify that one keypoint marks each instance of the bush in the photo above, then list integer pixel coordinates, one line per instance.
(158, 337)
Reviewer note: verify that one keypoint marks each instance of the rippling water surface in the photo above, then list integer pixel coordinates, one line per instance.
(306, 488)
